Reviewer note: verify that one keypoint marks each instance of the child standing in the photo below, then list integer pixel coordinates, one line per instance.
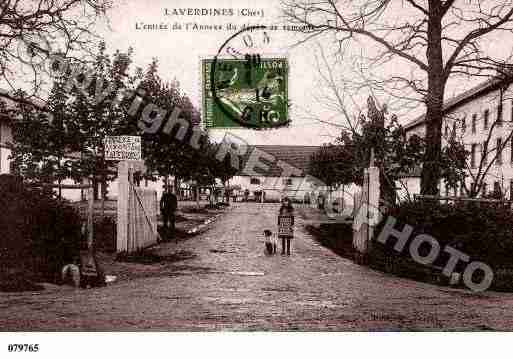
(286, 225)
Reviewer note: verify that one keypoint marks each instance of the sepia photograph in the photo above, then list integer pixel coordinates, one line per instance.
(274, 167)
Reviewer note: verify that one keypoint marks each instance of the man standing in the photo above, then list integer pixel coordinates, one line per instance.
(168, 205)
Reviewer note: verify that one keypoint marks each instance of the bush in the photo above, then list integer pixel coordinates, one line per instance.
(105, 230)
(338, 237)
(482, 231)
(38, 233)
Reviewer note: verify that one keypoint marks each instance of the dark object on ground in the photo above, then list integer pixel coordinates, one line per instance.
(39, 234)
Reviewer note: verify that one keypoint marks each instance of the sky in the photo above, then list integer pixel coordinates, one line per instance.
(179, 53)
(133, 23)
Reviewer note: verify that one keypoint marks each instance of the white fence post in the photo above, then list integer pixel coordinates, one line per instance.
(367, 206)
(122, 207)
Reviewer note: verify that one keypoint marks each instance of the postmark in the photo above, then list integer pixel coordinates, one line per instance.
(242, 88)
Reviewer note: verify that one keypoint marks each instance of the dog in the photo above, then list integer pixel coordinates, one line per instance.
(270, 242)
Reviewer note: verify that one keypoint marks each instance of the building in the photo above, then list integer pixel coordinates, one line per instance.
(271, 182)
(482, 119)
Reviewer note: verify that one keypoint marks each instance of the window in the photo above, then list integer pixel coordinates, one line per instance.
(473, 155)
(474, 121)
(511, 110)
(484, 189)
(485, 119)
(287, 181)
(463, 124)
(484, 153)
(511, 190)
(453, 134)
(499, 114)
(254, 181)
(496, 188)
(499, 151)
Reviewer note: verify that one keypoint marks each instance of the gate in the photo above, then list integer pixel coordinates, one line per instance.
(137, 212)
(366, 206)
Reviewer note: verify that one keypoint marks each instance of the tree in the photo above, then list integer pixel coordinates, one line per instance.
(221, 169)
(395, 154)
(166, 155)
(333, 163)
(438, 40)
(66, 140)
(33, 30)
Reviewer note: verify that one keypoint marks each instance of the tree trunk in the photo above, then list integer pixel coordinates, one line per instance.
(434, 102)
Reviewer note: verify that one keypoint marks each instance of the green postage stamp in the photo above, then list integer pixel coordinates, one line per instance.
(245, 93)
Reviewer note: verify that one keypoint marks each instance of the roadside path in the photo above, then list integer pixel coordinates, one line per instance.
(225, 282)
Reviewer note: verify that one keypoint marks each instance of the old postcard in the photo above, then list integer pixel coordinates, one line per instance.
(181, 166)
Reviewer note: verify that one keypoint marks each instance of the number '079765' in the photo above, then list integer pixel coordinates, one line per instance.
(18, 348)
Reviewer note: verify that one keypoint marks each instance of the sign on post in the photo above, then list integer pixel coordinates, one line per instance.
(122, 148)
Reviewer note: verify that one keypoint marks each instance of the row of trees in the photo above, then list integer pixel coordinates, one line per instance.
(66, 140)
(395, 154)
(425, 45)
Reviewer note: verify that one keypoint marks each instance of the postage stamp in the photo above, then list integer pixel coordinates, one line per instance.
(249, 92)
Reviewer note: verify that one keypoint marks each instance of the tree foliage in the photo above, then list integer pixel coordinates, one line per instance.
(33, 30)
(333, 163)
(66, 140)
(429, 43)
(394, 153)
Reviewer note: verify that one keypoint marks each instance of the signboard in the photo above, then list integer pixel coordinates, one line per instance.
(285, 226)
(120, 148)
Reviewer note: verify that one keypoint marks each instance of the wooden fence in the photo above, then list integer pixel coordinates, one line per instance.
(137, 214)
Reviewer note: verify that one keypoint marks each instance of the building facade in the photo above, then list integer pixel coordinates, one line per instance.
(273, 185)
(481, 119)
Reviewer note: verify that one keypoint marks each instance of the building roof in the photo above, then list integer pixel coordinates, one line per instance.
(464, 97)
(296, 156)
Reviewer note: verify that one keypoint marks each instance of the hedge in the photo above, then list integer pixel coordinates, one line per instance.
(483, 231)
(38, 233)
